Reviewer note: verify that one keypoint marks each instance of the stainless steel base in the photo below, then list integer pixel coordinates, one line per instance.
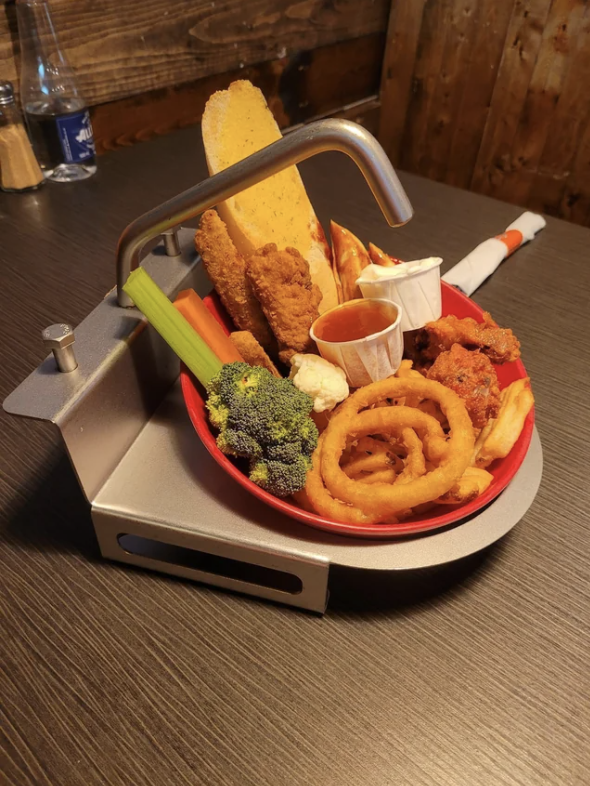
(159, 500)
(168, 492)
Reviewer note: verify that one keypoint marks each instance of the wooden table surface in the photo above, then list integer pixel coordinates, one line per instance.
(475, 674)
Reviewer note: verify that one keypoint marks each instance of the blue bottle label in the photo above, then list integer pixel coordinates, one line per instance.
(76, 137)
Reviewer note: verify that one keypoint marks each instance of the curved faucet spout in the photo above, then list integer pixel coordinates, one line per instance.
(318, 137)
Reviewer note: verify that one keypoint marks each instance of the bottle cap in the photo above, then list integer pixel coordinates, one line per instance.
(6, 93)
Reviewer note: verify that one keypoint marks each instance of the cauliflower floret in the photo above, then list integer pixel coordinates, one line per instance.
(320, 379)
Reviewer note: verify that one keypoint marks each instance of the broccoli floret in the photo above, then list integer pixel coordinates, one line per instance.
(265, 419)
(308, 436)
(236, 381)
(238, 443)
(279, 478)
(218, 412)
(287, 452)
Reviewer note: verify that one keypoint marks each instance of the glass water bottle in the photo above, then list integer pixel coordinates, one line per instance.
(57, 116)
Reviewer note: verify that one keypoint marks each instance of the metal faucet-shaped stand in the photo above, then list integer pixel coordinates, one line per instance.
(319, 137)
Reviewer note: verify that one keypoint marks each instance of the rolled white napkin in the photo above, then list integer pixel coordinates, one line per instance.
(470, 273)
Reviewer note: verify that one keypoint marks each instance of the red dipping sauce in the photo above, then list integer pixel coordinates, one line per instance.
(354, 320)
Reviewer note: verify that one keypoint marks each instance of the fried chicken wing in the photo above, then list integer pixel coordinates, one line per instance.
(499, 344)
(251, 351)
(289, 300)
(227, 270)
(472, 376)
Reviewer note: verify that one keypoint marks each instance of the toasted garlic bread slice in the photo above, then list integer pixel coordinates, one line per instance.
(236, 123)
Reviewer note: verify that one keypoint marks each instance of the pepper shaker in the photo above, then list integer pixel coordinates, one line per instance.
(19, 170)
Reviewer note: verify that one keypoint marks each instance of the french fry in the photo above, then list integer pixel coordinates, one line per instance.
(471, 485)
(498, 437)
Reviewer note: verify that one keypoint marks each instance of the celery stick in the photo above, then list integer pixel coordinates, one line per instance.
(172, 326)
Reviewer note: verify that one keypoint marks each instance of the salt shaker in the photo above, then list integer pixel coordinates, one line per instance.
(19, 170)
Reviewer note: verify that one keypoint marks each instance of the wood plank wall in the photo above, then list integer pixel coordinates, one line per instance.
(148, 66)
(493, 96)
(488, 95)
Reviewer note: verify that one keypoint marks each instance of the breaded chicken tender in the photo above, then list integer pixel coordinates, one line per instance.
(227, 270)
(251, 351)
(289, 300)
(473, 378)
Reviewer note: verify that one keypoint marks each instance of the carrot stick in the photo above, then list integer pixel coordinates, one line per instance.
(196, 313)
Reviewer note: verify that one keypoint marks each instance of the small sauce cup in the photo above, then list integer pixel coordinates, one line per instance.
(416, 285)
(363, 337)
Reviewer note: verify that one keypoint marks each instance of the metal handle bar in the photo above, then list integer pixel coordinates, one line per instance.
(318, 137)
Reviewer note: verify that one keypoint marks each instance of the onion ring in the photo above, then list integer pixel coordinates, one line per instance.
(388, 499)
(372, 445)
(323, 502)
(380, 476)
(415, 465)
(369, 462)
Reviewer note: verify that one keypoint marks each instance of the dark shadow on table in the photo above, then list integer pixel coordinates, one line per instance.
(55, 516)
(355, 592)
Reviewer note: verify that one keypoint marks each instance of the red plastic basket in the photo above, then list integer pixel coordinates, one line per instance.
(503, 470)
